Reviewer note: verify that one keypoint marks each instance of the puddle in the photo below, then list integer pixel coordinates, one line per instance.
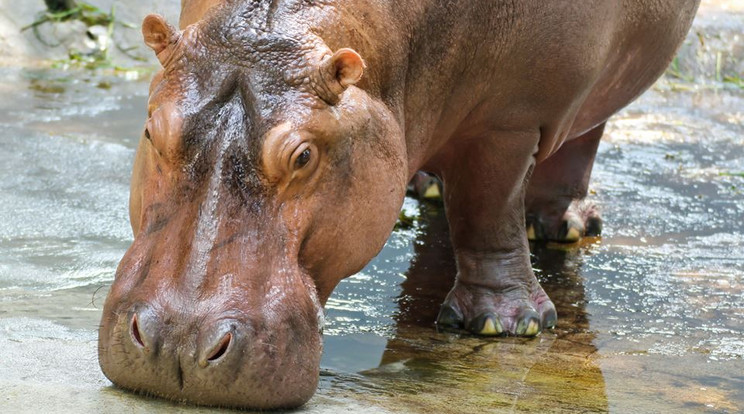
(651, 316)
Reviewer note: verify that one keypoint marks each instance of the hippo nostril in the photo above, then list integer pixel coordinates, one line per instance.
(136, 333)
(220, 349)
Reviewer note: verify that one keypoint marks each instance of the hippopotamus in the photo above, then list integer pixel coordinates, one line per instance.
(279, 142)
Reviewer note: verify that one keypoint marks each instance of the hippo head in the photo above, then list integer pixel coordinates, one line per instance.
(262, 178)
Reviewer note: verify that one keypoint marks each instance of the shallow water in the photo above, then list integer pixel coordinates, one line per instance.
(651, 315)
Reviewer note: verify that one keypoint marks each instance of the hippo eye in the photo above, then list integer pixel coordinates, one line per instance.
(302, 159)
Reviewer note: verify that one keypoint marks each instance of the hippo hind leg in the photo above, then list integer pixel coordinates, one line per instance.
(495, 292)
(555, 205)
(425, 187)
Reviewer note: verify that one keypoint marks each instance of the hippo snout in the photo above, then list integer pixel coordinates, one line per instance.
(156, 352)
(218, 358)
(149, 334)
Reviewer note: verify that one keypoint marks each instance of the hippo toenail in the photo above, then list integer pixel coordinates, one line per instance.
(529, 324)
(549, 318)
(487, 325)
(432, 192)
(449, 318)
(573, 235)
(491, 327)
(533, 328)
(593, 226)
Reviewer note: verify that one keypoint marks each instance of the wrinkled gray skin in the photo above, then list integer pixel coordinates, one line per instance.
(274, 163)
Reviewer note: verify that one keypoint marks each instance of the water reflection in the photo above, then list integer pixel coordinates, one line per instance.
(426, 370)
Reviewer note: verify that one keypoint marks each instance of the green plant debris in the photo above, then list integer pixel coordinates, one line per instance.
(732, 174)
(86, 13)
(405, 221)
(46, 87)
(679, 77)
(104, 84)
(735, 80)
(99, 58)
(675, 71)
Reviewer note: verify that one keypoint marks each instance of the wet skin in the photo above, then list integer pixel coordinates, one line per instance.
(275, 159)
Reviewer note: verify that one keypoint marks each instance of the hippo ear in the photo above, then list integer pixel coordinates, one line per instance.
(159, 35)
(345, 66)
(339, 71)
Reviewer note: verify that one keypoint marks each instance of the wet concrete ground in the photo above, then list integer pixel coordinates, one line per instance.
(651, 315)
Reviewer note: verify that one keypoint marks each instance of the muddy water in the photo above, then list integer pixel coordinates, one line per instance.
(651, 314)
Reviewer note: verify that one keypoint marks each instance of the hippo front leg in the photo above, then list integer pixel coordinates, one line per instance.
(496, 291)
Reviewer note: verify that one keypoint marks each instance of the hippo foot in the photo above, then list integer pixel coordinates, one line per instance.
(425, 186)
(484, 311)
(580, 219)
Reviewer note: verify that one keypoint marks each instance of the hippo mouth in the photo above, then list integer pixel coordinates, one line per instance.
(232, 366)
(213, 352)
